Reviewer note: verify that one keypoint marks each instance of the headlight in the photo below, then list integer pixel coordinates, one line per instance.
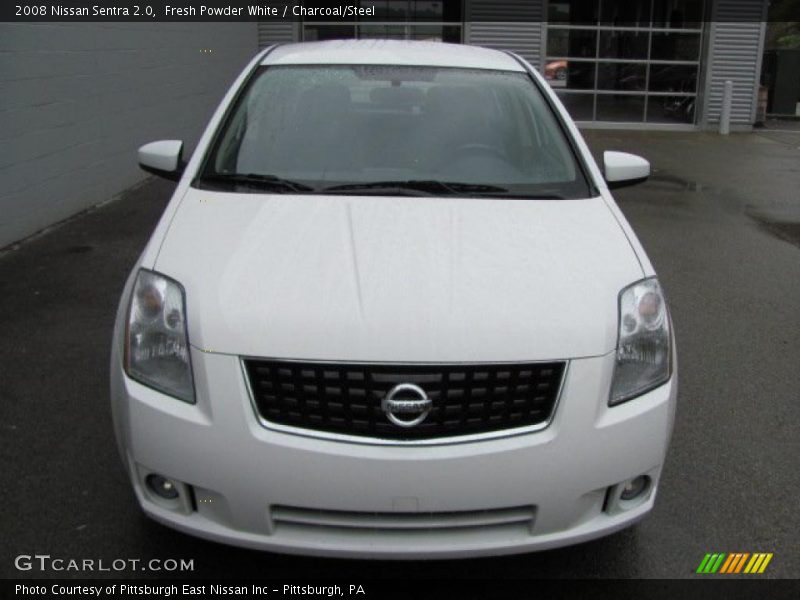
(157, 346)
(643, 350)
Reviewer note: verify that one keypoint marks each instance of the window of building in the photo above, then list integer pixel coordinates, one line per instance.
(626, 60)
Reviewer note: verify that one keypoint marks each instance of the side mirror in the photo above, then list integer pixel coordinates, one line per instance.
(163, 158)
(622, 169)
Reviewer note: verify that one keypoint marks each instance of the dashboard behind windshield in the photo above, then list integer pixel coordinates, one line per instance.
(378, 129)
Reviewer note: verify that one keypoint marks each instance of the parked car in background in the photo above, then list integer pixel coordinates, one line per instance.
(392, 310)
(556, 70)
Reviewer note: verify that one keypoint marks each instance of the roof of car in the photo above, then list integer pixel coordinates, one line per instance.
(391, 52)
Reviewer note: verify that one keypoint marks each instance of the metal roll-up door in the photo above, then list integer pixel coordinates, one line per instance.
(277, 31)
(514, 25)
(735, 47)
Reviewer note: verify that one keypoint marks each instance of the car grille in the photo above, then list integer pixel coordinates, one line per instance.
(345, 399)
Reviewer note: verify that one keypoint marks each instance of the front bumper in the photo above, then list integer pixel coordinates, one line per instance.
(379, 501)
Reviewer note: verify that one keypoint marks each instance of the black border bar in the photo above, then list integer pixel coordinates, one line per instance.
(277, 11)
(406, 589)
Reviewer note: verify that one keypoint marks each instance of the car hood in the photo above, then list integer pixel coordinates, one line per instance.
(398, 278)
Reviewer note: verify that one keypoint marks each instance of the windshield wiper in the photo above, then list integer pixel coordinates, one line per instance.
(418, 186)
(257, 180)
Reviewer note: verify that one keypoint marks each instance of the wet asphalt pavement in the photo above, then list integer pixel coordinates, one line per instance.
(720, 219)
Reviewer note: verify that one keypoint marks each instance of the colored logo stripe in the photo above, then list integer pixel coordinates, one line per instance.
(734, 563)
(727, 564)
(758, 563)
(711, 563)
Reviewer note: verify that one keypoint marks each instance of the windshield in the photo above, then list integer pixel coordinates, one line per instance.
(389, 130)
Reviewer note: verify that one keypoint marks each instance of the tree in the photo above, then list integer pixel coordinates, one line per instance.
(783, 29)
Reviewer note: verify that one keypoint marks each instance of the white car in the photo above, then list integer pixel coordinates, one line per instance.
(393, 311)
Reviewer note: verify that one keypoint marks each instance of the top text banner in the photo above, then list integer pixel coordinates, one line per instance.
(184, 10)
(311, 10)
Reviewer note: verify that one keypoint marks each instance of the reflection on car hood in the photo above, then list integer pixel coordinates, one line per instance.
(398, 279)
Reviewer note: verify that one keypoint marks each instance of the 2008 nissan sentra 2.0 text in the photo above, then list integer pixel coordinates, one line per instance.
(392, 310)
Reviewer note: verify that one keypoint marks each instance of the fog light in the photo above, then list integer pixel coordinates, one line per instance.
(635, 487)
(162, 487)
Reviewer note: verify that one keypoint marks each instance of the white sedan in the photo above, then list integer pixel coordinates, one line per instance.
(393, 311)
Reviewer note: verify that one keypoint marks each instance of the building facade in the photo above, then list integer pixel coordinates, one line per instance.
(614, 63)
(77, 99)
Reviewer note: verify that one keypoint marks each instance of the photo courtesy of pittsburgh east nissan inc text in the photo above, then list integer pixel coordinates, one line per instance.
(400, 299)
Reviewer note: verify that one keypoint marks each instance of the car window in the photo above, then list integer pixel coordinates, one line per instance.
(371, 129)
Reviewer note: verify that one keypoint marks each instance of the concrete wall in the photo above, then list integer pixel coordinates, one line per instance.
(78, 99)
